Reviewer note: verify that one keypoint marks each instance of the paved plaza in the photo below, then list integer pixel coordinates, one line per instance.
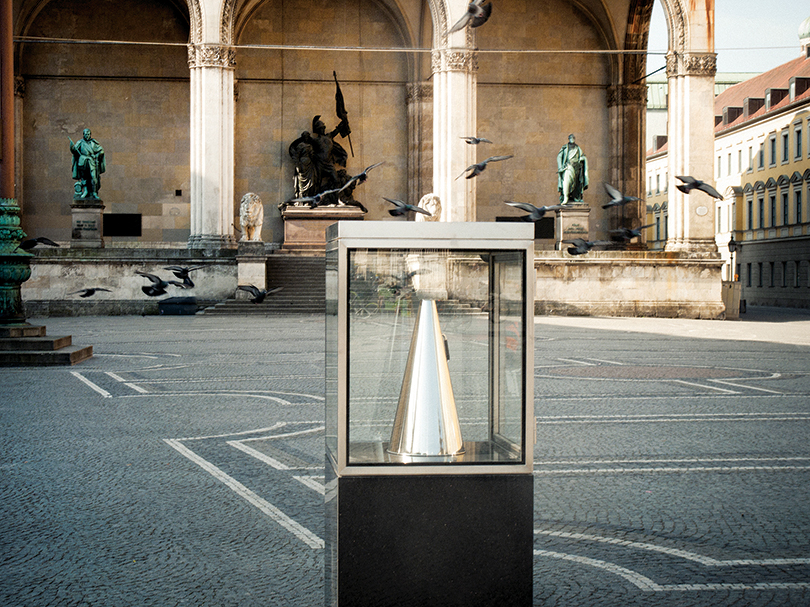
(183, 464)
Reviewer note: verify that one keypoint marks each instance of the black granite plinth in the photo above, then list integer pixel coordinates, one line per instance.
(424, 541)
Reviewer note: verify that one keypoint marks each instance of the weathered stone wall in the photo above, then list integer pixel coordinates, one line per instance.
(135, 99)
(629, 283)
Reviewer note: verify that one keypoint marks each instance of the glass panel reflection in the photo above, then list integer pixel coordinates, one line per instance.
(478, 338)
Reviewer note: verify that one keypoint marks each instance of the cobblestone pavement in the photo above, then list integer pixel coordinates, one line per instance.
(183, 465)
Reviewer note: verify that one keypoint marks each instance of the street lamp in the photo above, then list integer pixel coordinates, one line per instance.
(732, 248)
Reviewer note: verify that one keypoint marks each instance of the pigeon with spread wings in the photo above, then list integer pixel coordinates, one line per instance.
(476, 15)
(478, 168)
(534, 213)
(690, 183)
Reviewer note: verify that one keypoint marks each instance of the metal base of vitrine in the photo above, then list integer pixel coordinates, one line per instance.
(460, 540)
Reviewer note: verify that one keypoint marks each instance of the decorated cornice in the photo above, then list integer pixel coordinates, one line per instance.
(211, 55)
(444, 60)
(691, 64)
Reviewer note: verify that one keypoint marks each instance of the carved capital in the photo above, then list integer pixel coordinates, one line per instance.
(417, 92)
(691, 64)
(454, 61)
(19, 87)
(211, 55)
(630, 94)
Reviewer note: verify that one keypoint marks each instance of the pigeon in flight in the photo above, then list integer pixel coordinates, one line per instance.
(583, 246)
(158, 286)
(183, 274)
(403, 207)
(690, 183)
(315, 200)
(476, 140)
(625, 234)
(617, 199)
(89, 292)
(534, 213)
(26, 245)
(258, 294)
(476, 15)
(360, 177)
(478, 167)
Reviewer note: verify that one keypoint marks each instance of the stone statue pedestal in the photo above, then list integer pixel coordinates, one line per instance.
(305, 228)
(251, 264)
(86, 214)
(572, 222)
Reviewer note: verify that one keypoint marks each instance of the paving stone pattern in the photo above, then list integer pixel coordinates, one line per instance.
(183, 465)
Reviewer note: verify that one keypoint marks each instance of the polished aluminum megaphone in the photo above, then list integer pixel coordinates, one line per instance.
(426, 423)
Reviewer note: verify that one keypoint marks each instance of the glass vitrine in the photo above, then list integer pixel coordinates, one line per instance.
(429, 341)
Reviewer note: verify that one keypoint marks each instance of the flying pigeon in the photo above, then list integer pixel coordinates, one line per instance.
(617, 199)
(25, 245)
(158, 286)
(478, 167)
(476, 140)
(534, 213)
(360, 177)
(404, 207)
(258, 294)
(690, 183)
(89, 292)
(476, 15)
(626, 234)
(183, 274)
(583, 246)
(315, 200)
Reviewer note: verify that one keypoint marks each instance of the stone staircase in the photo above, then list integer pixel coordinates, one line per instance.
(28, 345)
(303, 279)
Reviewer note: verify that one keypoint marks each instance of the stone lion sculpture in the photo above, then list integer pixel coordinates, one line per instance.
(251, 216)
(433, 205)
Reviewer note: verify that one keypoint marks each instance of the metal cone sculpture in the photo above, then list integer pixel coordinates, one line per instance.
(426, 424)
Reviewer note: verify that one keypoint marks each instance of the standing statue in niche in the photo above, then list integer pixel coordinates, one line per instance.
(88, 165)
(572, 172)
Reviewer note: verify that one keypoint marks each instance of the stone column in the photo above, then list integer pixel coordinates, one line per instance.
(419, 99)
(19, 95)
(627, 105)
(454, 117)
(212, 146)
(691, 149)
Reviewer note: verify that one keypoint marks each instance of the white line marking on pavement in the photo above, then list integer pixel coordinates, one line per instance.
(98, 389)
(257, 430)
(115, 376)
(310, 482)
(690, 556)
(638, 580)
(693, 384)
(287, 435)
(120, 379)
(672, 417)
(577, 362)
(298, 530)
(668, 461)
(270, 461)
(608, 362)
(745, 387)
(671, 470)
(645, 583)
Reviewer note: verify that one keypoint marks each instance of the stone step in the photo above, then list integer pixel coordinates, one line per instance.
(69, 355)
(22, 330)
(43, 343)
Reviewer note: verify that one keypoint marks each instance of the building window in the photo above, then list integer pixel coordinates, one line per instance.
(761, 213)
(750, 214)
(798, 139)
(785, 209)
(762, 155)
(796, 265)
(759, 274)
(773, 150)
(666, 182)
(785, 148)
(719, 165)
(717, 228)
(773, 210)
(658, 184)
(750, 158)
(784, 274)
(739, 161)
(729, 163)
(772, 268)
(798, 196)
(748, 275)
